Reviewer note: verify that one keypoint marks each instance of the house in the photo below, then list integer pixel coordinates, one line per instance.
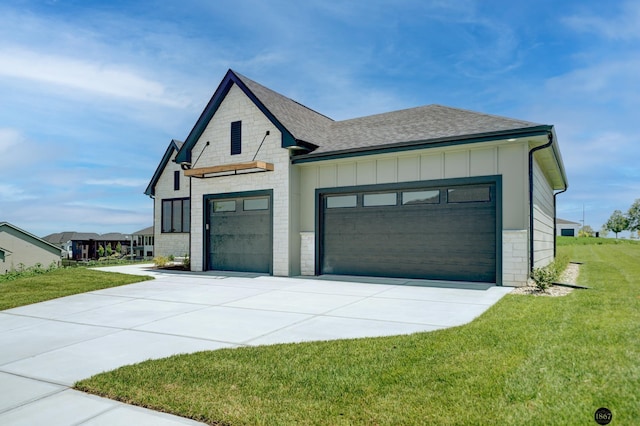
(566, 228)
(143, 243)
(86, 245)
(265, 184)
(20, 249)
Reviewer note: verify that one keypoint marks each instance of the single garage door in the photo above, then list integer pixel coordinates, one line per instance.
(239, 234)
(445, 232)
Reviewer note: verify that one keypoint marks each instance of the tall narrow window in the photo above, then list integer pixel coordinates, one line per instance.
(236, 137)
(176, 180)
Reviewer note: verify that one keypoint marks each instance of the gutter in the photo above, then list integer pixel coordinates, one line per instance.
(422, 144)
(555, 226)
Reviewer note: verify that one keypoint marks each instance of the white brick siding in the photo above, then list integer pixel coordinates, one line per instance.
(166, 244)
(307, 253)
(237, 107)
(515, 258)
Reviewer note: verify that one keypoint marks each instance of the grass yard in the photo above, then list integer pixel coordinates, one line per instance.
(528, 360)
(58, 283)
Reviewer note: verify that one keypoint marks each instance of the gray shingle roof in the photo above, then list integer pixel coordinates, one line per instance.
(304, 123)
(425, 123)
(420, 124)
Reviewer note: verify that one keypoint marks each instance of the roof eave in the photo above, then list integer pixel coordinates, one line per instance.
(425, 143)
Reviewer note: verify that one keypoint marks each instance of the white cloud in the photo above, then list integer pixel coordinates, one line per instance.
(625, 26)
(10, 192)
(89, 76)
(9, 138)
(128, 182)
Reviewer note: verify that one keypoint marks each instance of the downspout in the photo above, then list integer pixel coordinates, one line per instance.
(531, 152)
(555, 226)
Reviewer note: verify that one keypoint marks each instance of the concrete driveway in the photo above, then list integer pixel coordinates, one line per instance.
(46, 347)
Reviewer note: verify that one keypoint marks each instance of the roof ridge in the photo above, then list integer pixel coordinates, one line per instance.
(245, 78)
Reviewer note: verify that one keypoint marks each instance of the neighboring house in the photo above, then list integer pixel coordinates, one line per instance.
(265, 184)
(143, 243)
(566, 228)
(86, 245)
(20, 249)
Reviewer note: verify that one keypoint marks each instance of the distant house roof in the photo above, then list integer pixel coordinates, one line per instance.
(28, 237)
(145, 231)
(566, 222)
(174, 145)
(63, 237)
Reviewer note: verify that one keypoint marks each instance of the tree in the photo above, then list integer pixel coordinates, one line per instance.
(119, 248)
(633, 215)
(617, 223)
(100, 251)
(586, 231)
(604, 231)
(109, 250)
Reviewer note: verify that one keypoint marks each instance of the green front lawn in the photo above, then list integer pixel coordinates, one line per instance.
(58, 283)
(528, 360)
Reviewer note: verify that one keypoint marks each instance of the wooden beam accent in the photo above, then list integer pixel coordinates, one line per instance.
(202, 171)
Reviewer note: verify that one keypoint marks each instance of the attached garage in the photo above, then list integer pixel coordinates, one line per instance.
(438, 230)
(239, 236)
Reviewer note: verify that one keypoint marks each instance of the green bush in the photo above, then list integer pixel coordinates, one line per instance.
(187, 262)
(545, 277)
(160, 261)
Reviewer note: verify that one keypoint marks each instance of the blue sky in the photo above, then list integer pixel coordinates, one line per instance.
(93, 91)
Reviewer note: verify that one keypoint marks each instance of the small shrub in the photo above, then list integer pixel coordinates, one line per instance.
(545, 277)
(160, 261)
(186, 262)
(171, 258)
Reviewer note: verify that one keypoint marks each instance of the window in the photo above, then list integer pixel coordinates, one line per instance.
(469, 195)
(176, 180)
(568, 232)
(339, 201)
(421, 197)
(236, 137)
(224, 206)
(176, 215)
(255, 204)
(386, 199)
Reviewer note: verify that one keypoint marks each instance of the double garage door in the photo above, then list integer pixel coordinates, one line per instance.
(444, 232)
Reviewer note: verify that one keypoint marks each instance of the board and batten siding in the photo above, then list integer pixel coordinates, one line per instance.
(423, 165)
(543, 218)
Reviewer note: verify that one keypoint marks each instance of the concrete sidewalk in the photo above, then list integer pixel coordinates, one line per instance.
(48, 346)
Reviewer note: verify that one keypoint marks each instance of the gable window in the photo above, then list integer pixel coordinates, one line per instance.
(236, 137)
(176, 215)
(176, 180)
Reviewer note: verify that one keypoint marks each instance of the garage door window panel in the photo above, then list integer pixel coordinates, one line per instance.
(469, 195)
(381, 199)
(224, 206)
(342, 201)
(255, 204)
(421, 197)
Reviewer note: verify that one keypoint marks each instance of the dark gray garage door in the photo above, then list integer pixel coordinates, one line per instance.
(446, 232)
(239, 236)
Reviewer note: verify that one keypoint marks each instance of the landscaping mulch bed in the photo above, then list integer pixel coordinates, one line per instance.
(569, 276)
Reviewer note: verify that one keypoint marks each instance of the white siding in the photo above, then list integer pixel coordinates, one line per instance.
(543, 218)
